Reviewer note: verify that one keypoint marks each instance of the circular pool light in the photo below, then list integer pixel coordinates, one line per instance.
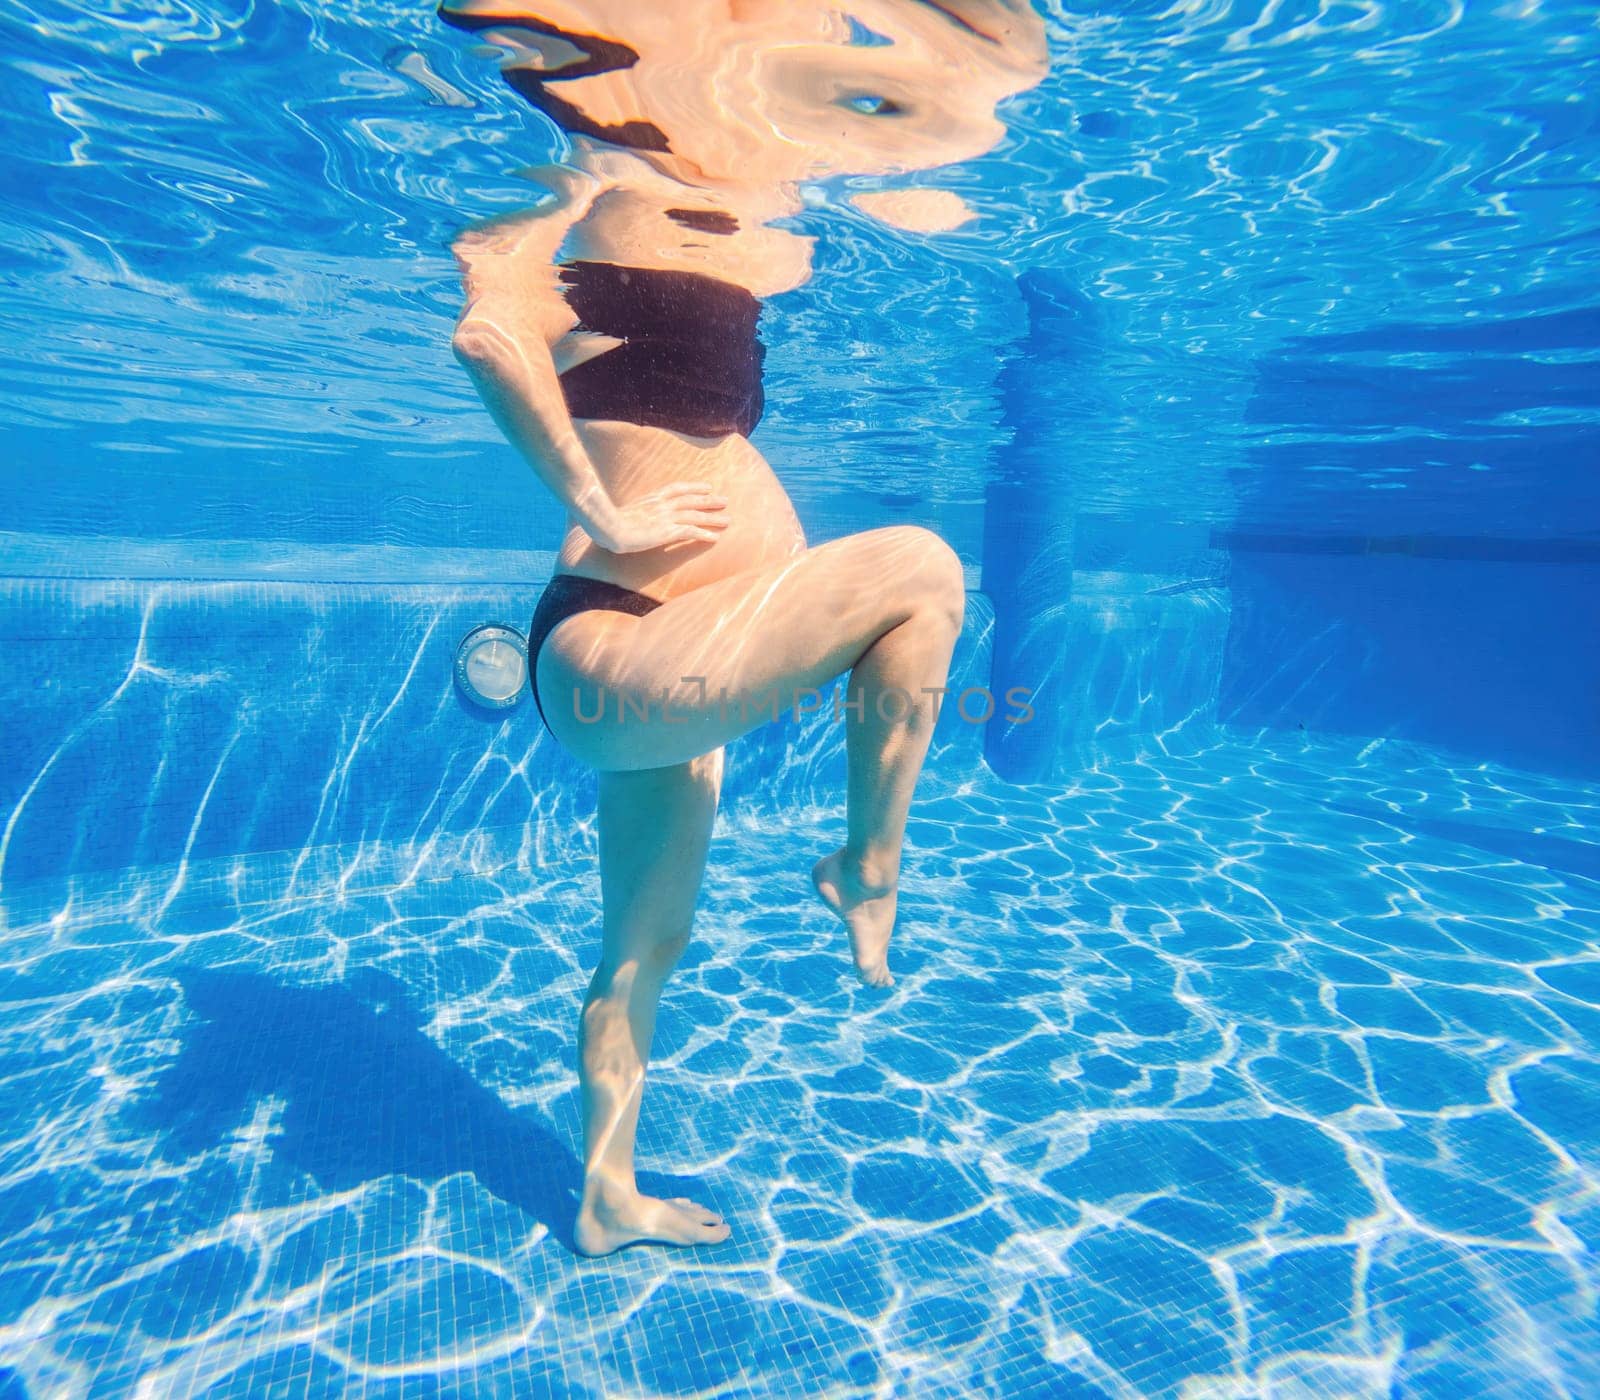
(492, 665)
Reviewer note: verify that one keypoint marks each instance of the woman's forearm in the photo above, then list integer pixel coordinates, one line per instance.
(514, 313)
(516, 379)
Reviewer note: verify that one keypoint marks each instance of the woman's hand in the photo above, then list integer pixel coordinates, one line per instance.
(686, 512)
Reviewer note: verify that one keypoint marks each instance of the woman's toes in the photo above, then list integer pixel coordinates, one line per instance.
(701, 1214)
(695, 1206)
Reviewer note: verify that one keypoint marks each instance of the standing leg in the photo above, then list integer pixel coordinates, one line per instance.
(655, 828)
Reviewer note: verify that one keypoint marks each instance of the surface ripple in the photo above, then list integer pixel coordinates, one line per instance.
(230, 226)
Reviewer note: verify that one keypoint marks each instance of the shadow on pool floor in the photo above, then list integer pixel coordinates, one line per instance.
(365, 1093)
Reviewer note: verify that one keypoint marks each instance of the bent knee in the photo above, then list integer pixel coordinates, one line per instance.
(936, 570)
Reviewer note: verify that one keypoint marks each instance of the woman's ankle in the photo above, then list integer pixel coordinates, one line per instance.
(604, 1188)
(871, 874)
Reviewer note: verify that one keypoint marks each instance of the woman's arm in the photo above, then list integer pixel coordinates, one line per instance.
(514, 313)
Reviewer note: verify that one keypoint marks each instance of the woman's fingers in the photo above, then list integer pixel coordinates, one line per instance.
(690, 534)
(684, 512)
(690, 492)
(689, 488)
(702, 515)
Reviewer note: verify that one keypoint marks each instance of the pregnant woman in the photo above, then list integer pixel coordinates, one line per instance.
(612, 332)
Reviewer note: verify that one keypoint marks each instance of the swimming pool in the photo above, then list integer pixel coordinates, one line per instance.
(1245, 1025)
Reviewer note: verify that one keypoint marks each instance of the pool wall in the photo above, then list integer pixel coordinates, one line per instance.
(1494, 656)
(192, 724)
(186, 722)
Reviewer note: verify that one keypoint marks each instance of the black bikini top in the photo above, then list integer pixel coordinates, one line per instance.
(690, 358)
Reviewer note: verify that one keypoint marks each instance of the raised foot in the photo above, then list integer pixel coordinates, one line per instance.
(612, 1216)
(866, 909)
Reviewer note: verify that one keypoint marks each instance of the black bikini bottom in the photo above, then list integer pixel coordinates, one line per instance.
(567, 595)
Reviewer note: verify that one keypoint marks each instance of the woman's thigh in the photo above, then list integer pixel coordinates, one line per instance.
(706, 666)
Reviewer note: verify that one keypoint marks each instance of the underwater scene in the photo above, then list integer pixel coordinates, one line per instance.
(741, 698)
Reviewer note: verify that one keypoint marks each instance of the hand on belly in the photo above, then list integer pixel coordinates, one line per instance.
(633, 460)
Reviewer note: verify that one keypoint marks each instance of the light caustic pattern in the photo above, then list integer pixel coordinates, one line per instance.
(1266, 1070)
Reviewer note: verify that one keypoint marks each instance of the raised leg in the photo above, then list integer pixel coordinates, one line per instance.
(889, 689)
(885, 605)
(655, 827)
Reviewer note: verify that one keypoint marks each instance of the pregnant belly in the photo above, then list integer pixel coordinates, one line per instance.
(633, 461)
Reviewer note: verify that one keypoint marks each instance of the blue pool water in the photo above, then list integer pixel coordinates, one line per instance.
(1266, 1068)
(1245, 1038)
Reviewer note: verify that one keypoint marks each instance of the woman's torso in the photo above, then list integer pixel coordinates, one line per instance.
(655, 225)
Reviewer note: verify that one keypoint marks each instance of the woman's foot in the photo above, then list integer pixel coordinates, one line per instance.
(867, 908)
(612, 1216)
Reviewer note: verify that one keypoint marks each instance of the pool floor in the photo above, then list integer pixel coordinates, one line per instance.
(1269, 1070)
